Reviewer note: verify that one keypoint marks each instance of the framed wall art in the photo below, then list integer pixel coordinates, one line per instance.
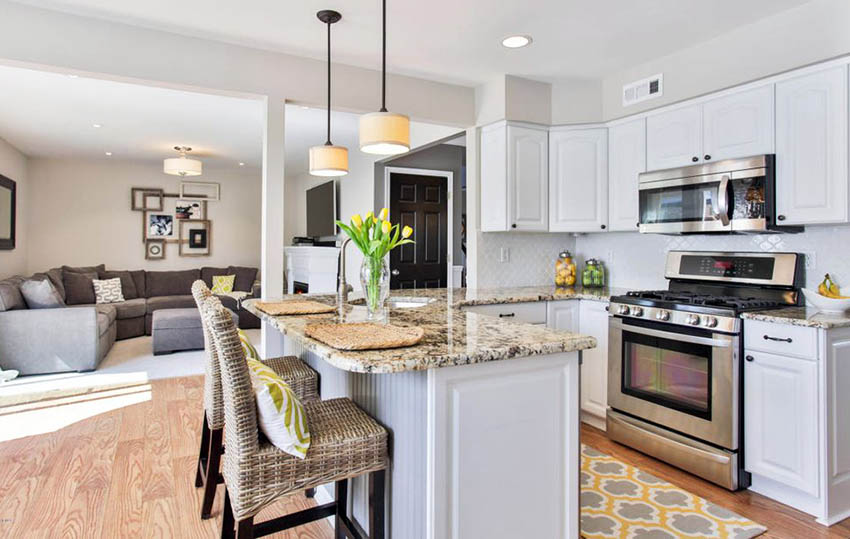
(8, 203)
(200, 191)
(146, 199)
(160, 226)
(154, 249)
(195, 237)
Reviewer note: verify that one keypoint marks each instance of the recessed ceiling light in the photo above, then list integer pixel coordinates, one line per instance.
(96, 126)
(241, 164)
(108, 154)
(516, 42)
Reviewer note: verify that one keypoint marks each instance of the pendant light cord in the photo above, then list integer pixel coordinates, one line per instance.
(328, 142)
(384, 60)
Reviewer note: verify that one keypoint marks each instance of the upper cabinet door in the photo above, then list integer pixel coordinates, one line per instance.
(739, 125)
(494, 183)
(528, 178)
(811, 148)
(626, 159)
(578, 190)
(674, 138)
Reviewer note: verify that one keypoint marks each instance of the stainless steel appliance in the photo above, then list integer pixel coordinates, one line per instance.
(736, 195)
(674, 371)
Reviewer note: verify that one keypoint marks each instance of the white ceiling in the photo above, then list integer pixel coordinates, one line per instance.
(46, 114)
(450, 40)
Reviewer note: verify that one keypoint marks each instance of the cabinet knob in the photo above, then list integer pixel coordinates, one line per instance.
(695, 159)
(707, 157)
(780, 217)
(603, 227)
(750, 358)
(513, 225)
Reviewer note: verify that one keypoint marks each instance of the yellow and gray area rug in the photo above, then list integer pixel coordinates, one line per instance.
(618, 500)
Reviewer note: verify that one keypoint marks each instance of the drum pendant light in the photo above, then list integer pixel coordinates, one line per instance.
(384, 133)
(329, 160)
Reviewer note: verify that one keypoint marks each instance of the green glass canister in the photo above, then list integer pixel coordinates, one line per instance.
(587, 273)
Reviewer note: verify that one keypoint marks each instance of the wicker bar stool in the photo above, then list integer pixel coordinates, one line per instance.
(345, 442)
(301, 378)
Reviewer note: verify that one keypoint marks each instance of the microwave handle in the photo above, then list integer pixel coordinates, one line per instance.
(723, 200)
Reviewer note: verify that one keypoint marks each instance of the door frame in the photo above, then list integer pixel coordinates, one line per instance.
(450, 187)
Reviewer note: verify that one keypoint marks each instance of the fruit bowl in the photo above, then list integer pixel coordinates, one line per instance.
(824, 303)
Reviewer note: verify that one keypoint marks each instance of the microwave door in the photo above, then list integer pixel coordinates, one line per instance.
(686, 205)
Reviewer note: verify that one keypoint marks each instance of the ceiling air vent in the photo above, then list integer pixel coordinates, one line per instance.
(648, 88)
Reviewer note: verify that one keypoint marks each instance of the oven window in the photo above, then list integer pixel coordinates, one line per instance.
(671, 373)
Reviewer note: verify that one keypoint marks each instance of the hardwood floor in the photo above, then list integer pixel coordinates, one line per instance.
(129, 472)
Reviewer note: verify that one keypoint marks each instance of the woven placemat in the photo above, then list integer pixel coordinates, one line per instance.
(364, 336)
(294, 306)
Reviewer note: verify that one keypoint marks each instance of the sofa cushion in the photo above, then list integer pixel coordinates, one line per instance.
(170, 283)
(55, 276)
(41, 294)
(79, 289)
(245, 277)
(128, 285)
(84, 269)
(176, 319)
(132, 308)
(102, 323)
(207, 274)
(170, 302)
(139, 280)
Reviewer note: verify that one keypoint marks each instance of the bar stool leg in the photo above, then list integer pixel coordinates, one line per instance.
(203, 453)
(377, 485)
(341, 496)
(227, 522)
(213, 465)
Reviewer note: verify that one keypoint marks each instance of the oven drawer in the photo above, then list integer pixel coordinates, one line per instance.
(529, 312)
(782, 339)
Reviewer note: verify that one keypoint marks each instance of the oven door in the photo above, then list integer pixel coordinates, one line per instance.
(684, 379)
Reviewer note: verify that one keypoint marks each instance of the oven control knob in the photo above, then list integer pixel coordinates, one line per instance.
(692, 319)
(637, 311)
(662, 315)
(623, 309)
(710, 321)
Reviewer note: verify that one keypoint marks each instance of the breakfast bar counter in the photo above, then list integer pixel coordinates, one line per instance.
(483, 413)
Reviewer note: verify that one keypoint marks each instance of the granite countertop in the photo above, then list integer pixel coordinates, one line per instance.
(801, 316)
(453, 336)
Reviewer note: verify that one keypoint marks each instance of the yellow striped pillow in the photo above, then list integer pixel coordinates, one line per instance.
(223, 284)
(247, 347)
(279, 412)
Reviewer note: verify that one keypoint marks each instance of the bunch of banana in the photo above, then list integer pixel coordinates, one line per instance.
(829, 289)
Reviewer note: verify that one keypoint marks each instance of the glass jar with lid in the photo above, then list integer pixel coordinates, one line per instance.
(565, 270)
(593, 275)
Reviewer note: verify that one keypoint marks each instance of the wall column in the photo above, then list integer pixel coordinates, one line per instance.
(271, 260)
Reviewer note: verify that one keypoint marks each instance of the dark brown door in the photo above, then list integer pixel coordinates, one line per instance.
(420, 202)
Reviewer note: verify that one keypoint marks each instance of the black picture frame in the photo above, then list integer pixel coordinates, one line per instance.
(198, 239)
(7, 244)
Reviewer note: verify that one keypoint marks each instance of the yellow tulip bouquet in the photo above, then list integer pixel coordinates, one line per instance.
(375, 236)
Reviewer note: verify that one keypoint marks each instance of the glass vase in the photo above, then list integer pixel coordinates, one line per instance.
(375, 279)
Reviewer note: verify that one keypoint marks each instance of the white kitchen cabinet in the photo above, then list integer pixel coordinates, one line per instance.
(532, 312)
(563, 315)
(514, 178)
(781, 419)
(739, 125)
(811, 148)
(626, 159)
(674, 138)
(578, 182)
(593, 321)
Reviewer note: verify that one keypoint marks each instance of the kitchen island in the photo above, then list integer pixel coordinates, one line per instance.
(483, 414)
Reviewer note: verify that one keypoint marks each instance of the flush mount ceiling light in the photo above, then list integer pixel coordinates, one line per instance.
(516, 42)
(182, 166)
(329, 160)
(383, 132)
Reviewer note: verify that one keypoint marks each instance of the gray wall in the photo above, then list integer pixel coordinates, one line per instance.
(441, 157)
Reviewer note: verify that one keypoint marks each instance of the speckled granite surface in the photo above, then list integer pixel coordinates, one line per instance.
(801, 316)
(489, 296)
(453, 336)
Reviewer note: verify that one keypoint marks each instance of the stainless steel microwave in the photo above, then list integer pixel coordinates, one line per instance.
(732, 196)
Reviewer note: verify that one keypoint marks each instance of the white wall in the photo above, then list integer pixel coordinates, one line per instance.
(812, 32)
(576, 101)
(14, 165)
(80, 215)
(531, 259)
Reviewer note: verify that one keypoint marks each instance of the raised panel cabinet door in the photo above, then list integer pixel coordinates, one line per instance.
(811, 148)
(781, 419)
(562, 315)
(593, 321)
(578, 186)
(494, 183)
(528, 179)
(739, 125)
(626, 159)
(674, 138)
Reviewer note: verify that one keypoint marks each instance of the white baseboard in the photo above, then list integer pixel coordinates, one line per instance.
(594, 420)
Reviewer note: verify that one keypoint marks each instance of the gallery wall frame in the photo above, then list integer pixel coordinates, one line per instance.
(8, 212)
(195, 237)
(154, 250)
(146, 199)
(200, 191)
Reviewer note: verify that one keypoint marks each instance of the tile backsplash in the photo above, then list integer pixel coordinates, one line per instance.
(637, 260)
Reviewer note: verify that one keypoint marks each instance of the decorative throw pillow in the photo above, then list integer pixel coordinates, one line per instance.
(279, 412)
(247, 347)
(78, 287)
(128, 285)
(222, 284)
(108, 290)
(41, 294)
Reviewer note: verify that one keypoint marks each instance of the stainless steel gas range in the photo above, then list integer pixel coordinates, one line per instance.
(675, 376)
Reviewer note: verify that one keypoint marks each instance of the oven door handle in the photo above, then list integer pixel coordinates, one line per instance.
(723, 200)
(718, 343)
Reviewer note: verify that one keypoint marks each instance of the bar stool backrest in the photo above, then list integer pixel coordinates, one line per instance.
(213, 404)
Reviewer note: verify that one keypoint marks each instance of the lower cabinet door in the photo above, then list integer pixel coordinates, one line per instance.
(593, 321)
(781, 419)
(562, 315)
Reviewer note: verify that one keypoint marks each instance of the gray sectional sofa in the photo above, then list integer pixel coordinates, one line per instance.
(78, 336)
